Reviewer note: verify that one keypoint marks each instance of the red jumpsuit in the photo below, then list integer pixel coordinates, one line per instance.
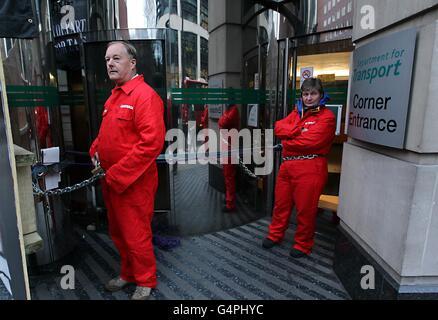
(301, 182)
(204, 121)
(131, 137)
(230, 120)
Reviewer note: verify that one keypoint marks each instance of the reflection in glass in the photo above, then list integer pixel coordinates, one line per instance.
(189, 10)
(189, 46)
(204, 14)
(204, 58)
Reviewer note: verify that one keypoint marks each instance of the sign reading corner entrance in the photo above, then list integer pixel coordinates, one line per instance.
(380, 89)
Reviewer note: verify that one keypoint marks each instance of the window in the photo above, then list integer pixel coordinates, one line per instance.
(329, 5)
(329, 20)
(338, 14)
(204, 58)
(189, 10)
(325, 23)
(204, 14)
(349, 7)
(189, 56)
(333, 3)
(325, 9)
(343, 11)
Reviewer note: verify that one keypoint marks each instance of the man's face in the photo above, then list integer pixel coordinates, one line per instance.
(311, 97)
(119, 65)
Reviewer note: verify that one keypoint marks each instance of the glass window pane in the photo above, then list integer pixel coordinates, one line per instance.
(189, 47)
(189, 10)
(204, 58)
(204, 14)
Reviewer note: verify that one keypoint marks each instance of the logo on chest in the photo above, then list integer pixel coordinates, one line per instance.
(307, 124)
(126, 106)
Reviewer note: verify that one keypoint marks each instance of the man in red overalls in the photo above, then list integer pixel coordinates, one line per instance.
(230, 120)
(131, 137)
(307, 135)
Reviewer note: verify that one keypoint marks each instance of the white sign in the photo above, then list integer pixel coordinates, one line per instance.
(305, 73)
(215, 110)
(253, 115)
(256, 81)
(337, 110)
(50, 155)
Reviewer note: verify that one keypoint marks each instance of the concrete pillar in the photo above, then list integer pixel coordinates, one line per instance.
(388, 197)
(225, 43)
(23, 160)
(224, 58)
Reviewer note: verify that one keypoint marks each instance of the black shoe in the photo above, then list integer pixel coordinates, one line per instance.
(295, 253)
(268, 243)
(228, 210)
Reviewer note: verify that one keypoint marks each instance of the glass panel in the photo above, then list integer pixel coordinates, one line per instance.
(204, 58)
(189, 10)
(189, 57)
(164, 6)
(172, 52)
(150, 63)
(331, 64)
(204, 14)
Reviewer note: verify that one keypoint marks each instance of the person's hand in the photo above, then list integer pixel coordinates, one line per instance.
(95, 159)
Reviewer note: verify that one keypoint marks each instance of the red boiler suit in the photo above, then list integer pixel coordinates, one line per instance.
(131, 137)
(301, 182)
(204, 121)
(230, 120)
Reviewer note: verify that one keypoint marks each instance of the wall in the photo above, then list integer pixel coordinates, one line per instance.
(388, 196)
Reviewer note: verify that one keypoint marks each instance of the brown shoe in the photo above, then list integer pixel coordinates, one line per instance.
(141, 293)
(115, 284)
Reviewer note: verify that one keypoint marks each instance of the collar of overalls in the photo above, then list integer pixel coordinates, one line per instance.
(313, 109)
(130, 85)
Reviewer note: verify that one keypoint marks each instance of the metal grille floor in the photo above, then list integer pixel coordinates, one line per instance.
(229, 265)
(198, 205)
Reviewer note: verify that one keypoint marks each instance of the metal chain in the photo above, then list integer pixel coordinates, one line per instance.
(246, 170)
(58, 192)
(304, 157)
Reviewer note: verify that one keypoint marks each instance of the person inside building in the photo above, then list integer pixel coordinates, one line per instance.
(306, 134)
(130, 138)
(204, 121)
(230, 119)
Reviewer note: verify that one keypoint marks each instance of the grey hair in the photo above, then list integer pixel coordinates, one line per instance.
(130, 49)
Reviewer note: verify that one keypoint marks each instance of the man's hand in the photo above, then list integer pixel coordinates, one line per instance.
(97, 168)
(95, 160)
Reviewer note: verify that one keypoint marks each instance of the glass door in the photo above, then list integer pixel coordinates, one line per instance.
(150, 63)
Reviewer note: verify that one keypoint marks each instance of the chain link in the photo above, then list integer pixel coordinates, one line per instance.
(246, 170)
(57, 192)
(304, 157)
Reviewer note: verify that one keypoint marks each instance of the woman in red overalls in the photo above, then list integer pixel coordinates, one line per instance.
(307, 135)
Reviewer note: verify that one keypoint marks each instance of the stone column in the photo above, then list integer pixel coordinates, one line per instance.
(23, 160)
(224, 59)
(389, 217)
